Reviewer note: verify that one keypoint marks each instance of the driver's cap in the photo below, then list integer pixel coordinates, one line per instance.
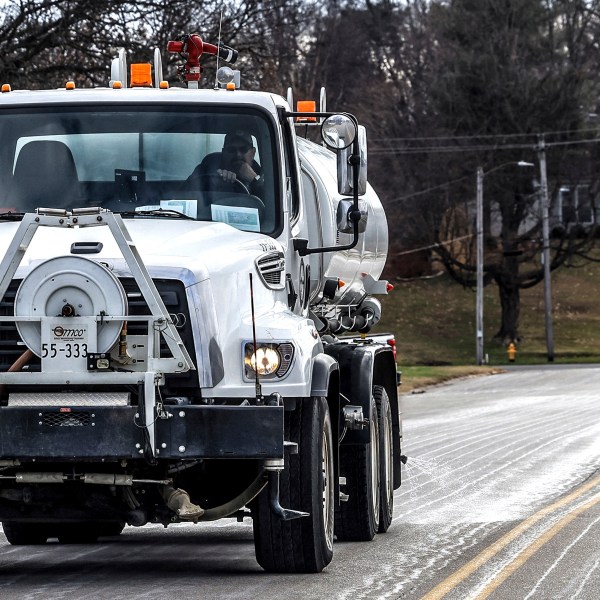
(238, 135)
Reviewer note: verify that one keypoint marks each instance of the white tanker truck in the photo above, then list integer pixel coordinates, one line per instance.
(171, 344)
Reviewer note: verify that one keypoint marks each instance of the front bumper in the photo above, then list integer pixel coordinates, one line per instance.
(113, 433)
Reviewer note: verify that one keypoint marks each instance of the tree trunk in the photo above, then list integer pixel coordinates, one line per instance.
(510, 303)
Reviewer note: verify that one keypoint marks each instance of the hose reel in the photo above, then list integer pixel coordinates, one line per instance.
(70, 286)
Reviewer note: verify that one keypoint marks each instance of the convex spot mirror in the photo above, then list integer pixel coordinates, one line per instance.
(338, 131)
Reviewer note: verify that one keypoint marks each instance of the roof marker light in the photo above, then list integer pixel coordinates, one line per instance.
(141, 75)
(117, 85)
(306, 106)
(6, 88)
(231, 86)
(163, 85)
(70, 85)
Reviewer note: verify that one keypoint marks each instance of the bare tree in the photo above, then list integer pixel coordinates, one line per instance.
(505, 72)
(43, 43)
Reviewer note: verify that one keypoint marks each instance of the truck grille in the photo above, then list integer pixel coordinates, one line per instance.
(11, 346)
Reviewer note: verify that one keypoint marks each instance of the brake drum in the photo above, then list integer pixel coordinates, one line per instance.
(75, 285)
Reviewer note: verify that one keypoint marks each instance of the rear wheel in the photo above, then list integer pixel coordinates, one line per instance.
(303, 545)
(20, 534)
(386, 465)
(357, 519)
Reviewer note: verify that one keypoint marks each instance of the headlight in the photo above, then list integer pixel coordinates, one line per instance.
(270, 360)
(265, 361)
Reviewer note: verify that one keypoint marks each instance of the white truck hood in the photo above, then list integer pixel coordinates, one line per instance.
(165, 245)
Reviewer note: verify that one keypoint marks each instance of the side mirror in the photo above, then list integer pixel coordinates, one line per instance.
(345, 224)
(339, 133)
(342, 133)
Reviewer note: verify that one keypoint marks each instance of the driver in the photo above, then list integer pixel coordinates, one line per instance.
(234, 162)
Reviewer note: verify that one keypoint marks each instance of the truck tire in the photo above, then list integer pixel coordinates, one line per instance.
(21, 534)
(386, 464)
(303, 545)
(357, 519)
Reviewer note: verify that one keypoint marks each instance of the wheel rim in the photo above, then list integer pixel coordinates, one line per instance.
(375, 451)
(326, 467)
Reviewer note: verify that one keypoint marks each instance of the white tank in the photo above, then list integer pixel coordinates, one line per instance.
(369, 255)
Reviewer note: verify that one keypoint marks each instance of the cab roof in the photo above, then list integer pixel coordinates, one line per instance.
(174, 95)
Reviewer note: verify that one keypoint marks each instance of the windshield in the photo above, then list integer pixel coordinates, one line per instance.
(137, 159)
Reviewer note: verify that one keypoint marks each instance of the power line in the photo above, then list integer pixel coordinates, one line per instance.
(431, 189)
(480, 148)
(482, 136)
(449, 149)
(436, 245)
(434, 149)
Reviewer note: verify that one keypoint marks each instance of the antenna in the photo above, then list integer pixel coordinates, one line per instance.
(217, 69)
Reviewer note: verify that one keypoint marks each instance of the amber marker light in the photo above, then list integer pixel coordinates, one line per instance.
(70, 85)
(6, 88)
(163, 85)
(306, 106)
(141, 75)
(117, 85)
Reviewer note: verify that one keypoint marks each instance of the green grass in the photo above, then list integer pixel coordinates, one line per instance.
(418, 377)
(434, 321)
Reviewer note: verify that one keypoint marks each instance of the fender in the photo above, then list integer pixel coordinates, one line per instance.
(361, 367)
(323, 367)
(326, 383)
(356, 382)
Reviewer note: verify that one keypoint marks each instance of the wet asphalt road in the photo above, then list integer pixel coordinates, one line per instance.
(499, 501)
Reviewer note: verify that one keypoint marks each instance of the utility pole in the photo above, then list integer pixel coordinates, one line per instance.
(546, 248)
(479, 298)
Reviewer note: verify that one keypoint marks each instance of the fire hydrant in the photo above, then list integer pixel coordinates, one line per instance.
(511, 351)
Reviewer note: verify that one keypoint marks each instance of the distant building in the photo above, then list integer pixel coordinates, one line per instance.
(575, 206)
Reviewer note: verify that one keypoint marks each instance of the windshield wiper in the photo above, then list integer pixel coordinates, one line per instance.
(11, 216)
(157, 212)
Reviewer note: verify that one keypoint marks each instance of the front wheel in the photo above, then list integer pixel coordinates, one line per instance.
(303, 545)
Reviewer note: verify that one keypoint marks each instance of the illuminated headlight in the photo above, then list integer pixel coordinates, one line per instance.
(270, 360)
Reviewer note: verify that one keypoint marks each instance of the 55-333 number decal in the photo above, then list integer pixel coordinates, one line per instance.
(67, 350)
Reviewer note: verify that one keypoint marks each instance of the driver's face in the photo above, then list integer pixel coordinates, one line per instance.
(236, 153)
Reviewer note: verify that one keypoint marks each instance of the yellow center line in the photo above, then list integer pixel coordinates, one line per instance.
(446, 586)
(530, 550)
